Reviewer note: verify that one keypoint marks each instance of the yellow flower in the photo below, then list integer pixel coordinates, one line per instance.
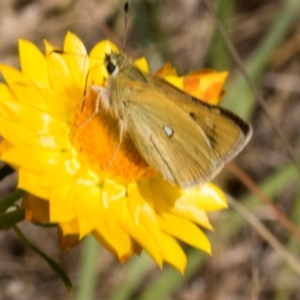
(61, 156)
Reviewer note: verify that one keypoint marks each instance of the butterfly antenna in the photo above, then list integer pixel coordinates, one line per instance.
(126, 8)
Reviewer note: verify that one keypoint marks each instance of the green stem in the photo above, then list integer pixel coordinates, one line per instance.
(88, 269)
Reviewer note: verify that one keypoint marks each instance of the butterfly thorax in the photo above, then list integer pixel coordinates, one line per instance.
(123, 75)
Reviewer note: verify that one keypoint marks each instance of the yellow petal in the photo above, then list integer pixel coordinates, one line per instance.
(59, 74)
(99, 50)
(185, 231)
(13, 76)
(28, 181)
(207, 197)
(176, 81)
(142, 236)
(76, 59)
(17, 134)
(6, 94)
(32, 159)
(113, 201)
(167, 70)
(88, 209)
(73, 185)
(140, 206)
(36, 120)
(173, 253)
(59, 172)
(69, 228)
(61, 211)
(33, 63)
(142, 64)
(5, 146)
(9, 108)
(59, 109)
(22, 87)
(183, 208)
(118, 242)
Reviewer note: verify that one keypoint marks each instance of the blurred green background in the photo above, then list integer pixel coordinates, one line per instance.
(244, 265)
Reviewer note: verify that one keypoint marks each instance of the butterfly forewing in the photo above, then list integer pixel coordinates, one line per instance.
(183, 138)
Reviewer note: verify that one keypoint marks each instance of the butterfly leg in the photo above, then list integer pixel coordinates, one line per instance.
(102, 96)
(121, 124)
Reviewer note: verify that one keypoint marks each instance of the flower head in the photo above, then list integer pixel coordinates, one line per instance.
(61, 155)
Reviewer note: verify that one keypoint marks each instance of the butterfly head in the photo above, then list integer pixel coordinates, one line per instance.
(114, 62)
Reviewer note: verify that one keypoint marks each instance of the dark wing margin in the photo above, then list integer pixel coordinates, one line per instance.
(227, 133)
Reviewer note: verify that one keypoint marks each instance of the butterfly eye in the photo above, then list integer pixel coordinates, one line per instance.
(111, 67)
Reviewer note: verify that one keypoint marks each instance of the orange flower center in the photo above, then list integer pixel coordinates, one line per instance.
(96, 139)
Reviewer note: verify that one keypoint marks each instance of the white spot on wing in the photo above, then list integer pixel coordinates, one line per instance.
(168, 131)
